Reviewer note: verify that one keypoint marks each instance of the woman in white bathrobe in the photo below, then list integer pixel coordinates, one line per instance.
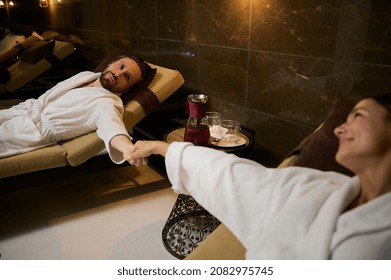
(295, 212)
(83, 103)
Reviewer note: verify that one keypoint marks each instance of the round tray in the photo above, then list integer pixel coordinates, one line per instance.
(245, 150)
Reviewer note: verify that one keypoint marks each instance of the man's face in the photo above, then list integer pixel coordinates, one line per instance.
(120, 75)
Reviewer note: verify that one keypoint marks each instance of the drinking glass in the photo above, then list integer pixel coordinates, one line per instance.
(231, 129)
(212, 120)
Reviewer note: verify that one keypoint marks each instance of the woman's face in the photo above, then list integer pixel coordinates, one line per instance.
(365, 137)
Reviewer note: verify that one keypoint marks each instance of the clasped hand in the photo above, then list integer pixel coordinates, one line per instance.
(138, 153)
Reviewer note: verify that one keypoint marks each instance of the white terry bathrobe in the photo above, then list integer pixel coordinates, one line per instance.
(288, 213)
(63, 112)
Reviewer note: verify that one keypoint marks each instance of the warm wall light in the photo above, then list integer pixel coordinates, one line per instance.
(44, 3)
(6, 4)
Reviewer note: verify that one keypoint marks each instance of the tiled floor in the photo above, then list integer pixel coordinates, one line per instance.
(117, 214)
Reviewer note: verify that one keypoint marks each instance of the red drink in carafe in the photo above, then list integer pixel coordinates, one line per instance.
(195, 131)
(199, 136)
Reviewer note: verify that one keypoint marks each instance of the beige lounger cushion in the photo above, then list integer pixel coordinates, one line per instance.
(48, 157)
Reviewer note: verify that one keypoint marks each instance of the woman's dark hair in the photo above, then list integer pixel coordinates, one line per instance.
(384, 100)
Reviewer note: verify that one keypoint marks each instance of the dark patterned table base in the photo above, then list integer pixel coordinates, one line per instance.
(187, 226)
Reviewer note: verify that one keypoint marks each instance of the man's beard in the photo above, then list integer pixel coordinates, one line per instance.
(108, 81)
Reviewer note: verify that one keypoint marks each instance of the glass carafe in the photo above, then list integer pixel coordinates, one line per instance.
(195, 131)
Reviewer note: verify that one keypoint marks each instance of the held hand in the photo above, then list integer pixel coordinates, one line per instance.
(136, 161)
(143, 149)
(123, 144)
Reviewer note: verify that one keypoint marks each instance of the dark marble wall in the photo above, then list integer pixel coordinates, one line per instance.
(273, 65)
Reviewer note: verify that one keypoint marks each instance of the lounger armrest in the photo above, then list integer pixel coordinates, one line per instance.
(82, 148)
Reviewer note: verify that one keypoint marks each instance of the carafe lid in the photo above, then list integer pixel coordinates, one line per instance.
(198, 97)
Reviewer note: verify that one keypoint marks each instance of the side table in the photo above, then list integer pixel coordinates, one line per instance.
(189, 223)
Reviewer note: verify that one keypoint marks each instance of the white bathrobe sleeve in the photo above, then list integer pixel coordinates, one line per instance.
(273, 212)
(110, 124)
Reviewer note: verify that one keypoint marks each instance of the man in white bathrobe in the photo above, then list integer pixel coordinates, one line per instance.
(83, 103)
(295, 212)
